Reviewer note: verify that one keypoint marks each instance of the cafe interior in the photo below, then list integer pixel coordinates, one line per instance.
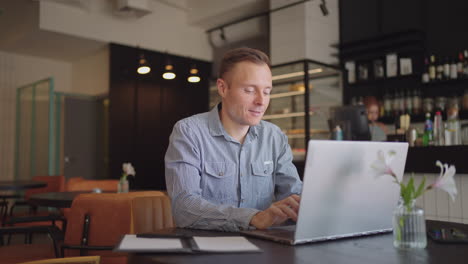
(90, 92)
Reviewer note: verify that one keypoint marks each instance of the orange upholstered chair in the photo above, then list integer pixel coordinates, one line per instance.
(80, 184)
(151, 213)
(96, 223)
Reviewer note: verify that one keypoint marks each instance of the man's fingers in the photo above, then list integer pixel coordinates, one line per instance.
(296, 197)
(293, 203)
(290, 212)
(277, 211)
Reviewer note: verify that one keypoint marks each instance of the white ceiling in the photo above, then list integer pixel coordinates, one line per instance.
(20, 33)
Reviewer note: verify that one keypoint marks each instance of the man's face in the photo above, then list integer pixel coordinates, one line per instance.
(373, 113)
(245, 92)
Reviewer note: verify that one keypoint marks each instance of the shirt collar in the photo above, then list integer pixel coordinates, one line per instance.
(216, 127)
(214, 123)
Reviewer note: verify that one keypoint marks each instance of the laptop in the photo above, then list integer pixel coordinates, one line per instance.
(341, 194)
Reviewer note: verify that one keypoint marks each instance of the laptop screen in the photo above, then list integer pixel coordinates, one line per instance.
(341, 194)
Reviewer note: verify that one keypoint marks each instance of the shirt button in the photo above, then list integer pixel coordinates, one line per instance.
(265, 171)
(241, 174)
(242, 200)
(221, 173)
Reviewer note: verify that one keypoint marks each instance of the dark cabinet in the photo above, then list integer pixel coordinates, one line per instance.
(144, 108)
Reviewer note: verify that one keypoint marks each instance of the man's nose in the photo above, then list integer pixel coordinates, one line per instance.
(260, 98)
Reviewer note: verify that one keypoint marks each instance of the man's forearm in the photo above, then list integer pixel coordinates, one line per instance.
(195, 212)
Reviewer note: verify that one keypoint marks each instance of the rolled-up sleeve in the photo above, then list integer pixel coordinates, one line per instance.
(287, 178)
(183, 179)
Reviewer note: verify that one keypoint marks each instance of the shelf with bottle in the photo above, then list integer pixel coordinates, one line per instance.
(447, 70)
(395, 79)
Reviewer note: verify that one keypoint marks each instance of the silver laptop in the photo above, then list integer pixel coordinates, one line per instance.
(341, 195)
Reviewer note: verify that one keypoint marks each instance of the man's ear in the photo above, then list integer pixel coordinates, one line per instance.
(222, 87)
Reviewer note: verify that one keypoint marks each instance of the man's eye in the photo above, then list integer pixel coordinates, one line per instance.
(249, 90)
(267, 92)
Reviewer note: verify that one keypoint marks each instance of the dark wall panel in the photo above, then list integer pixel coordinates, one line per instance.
(144, 108)
(358, 19)
(401, 15)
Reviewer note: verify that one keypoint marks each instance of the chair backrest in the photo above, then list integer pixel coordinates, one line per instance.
(55, 183)
(151, 213)
(81, 184)
(74, 260)
(110, 217)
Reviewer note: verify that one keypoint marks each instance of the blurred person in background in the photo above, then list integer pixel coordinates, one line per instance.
(377, 129)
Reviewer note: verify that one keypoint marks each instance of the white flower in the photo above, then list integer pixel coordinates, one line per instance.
(445, 181)
(382, 166)
(128, 169)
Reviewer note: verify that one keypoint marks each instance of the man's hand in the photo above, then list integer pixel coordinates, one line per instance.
(277, 213)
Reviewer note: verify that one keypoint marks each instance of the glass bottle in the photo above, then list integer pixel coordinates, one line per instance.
(396, 104)
(438, 129)
(416, 102)
(446, 72)
(428, 139)
(439, 69)
(425, 76)
(401, 102)
(409, 103)
(432, 69)
(409, 226)
(453, 69)
(465, 100)
(453, 128)
(460, 65)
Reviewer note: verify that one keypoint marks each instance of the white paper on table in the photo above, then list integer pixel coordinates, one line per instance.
(225, 244)
(131, 242)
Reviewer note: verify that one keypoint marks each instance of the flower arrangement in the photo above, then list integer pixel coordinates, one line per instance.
(409, 229)
(409, 192)
(127, 169)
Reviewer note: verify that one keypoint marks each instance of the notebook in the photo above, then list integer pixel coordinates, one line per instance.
(341, 194)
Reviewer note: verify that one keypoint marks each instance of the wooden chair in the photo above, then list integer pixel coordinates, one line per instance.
(74, 260)
(96, 223)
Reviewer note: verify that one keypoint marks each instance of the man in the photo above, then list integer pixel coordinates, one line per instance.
(227, 169)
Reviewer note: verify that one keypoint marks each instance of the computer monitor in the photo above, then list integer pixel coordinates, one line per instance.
(353, 121)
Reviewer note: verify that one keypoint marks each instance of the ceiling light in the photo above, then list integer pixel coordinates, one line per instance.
(143, 66)
(169, 73)
(193, 77)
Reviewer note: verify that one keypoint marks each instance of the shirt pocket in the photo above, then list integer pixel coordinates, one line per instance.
(220, 180)
(262, 177)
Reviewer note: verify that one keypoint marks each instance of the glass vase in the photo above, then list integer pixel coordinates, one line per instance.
(409, 226)
(122, 186)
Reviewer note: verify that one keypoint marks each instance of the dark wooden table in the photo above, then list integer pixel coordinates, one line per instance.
(21, 185)
(54, 199)
(363, 250)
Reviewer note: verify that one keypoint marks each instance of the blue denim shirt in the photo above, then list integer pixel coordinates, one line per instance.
(217, 183)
